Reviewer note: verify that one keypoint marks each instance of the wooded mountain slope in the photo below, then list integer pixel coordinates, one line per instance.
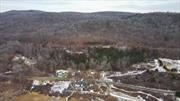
(152, 29)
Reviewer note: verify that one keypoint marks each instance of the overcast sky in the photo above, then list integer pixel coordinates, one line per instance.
(92, 5)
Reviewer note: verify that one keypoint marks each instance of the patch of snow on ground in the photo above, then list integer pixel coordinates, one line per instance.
(157, 67)
(119, 74)
(107, 46)
(38, 83)
(169, 64)
(71, 52)
(26, 60)
(122, 96)
(8, 72)
(61, 73)
(60, 86)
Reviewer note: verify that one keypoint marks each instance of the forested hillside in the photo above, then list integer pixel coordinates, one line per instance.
(154, 29)
(46, 37)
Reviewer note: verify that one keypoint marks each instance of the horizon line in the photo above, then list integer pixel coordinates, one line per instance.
(90, 12)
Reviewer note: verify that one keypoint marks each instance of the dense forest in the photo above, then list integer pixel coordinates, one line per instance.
(46, 37)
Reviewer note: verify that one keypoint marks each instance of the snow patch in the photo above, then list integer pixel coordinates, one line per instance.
(166, 65)
(60, 86)
(71, 52)
(26, 60)
(62, 73)
(39, 83)
(119, 74)
(107, 46)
